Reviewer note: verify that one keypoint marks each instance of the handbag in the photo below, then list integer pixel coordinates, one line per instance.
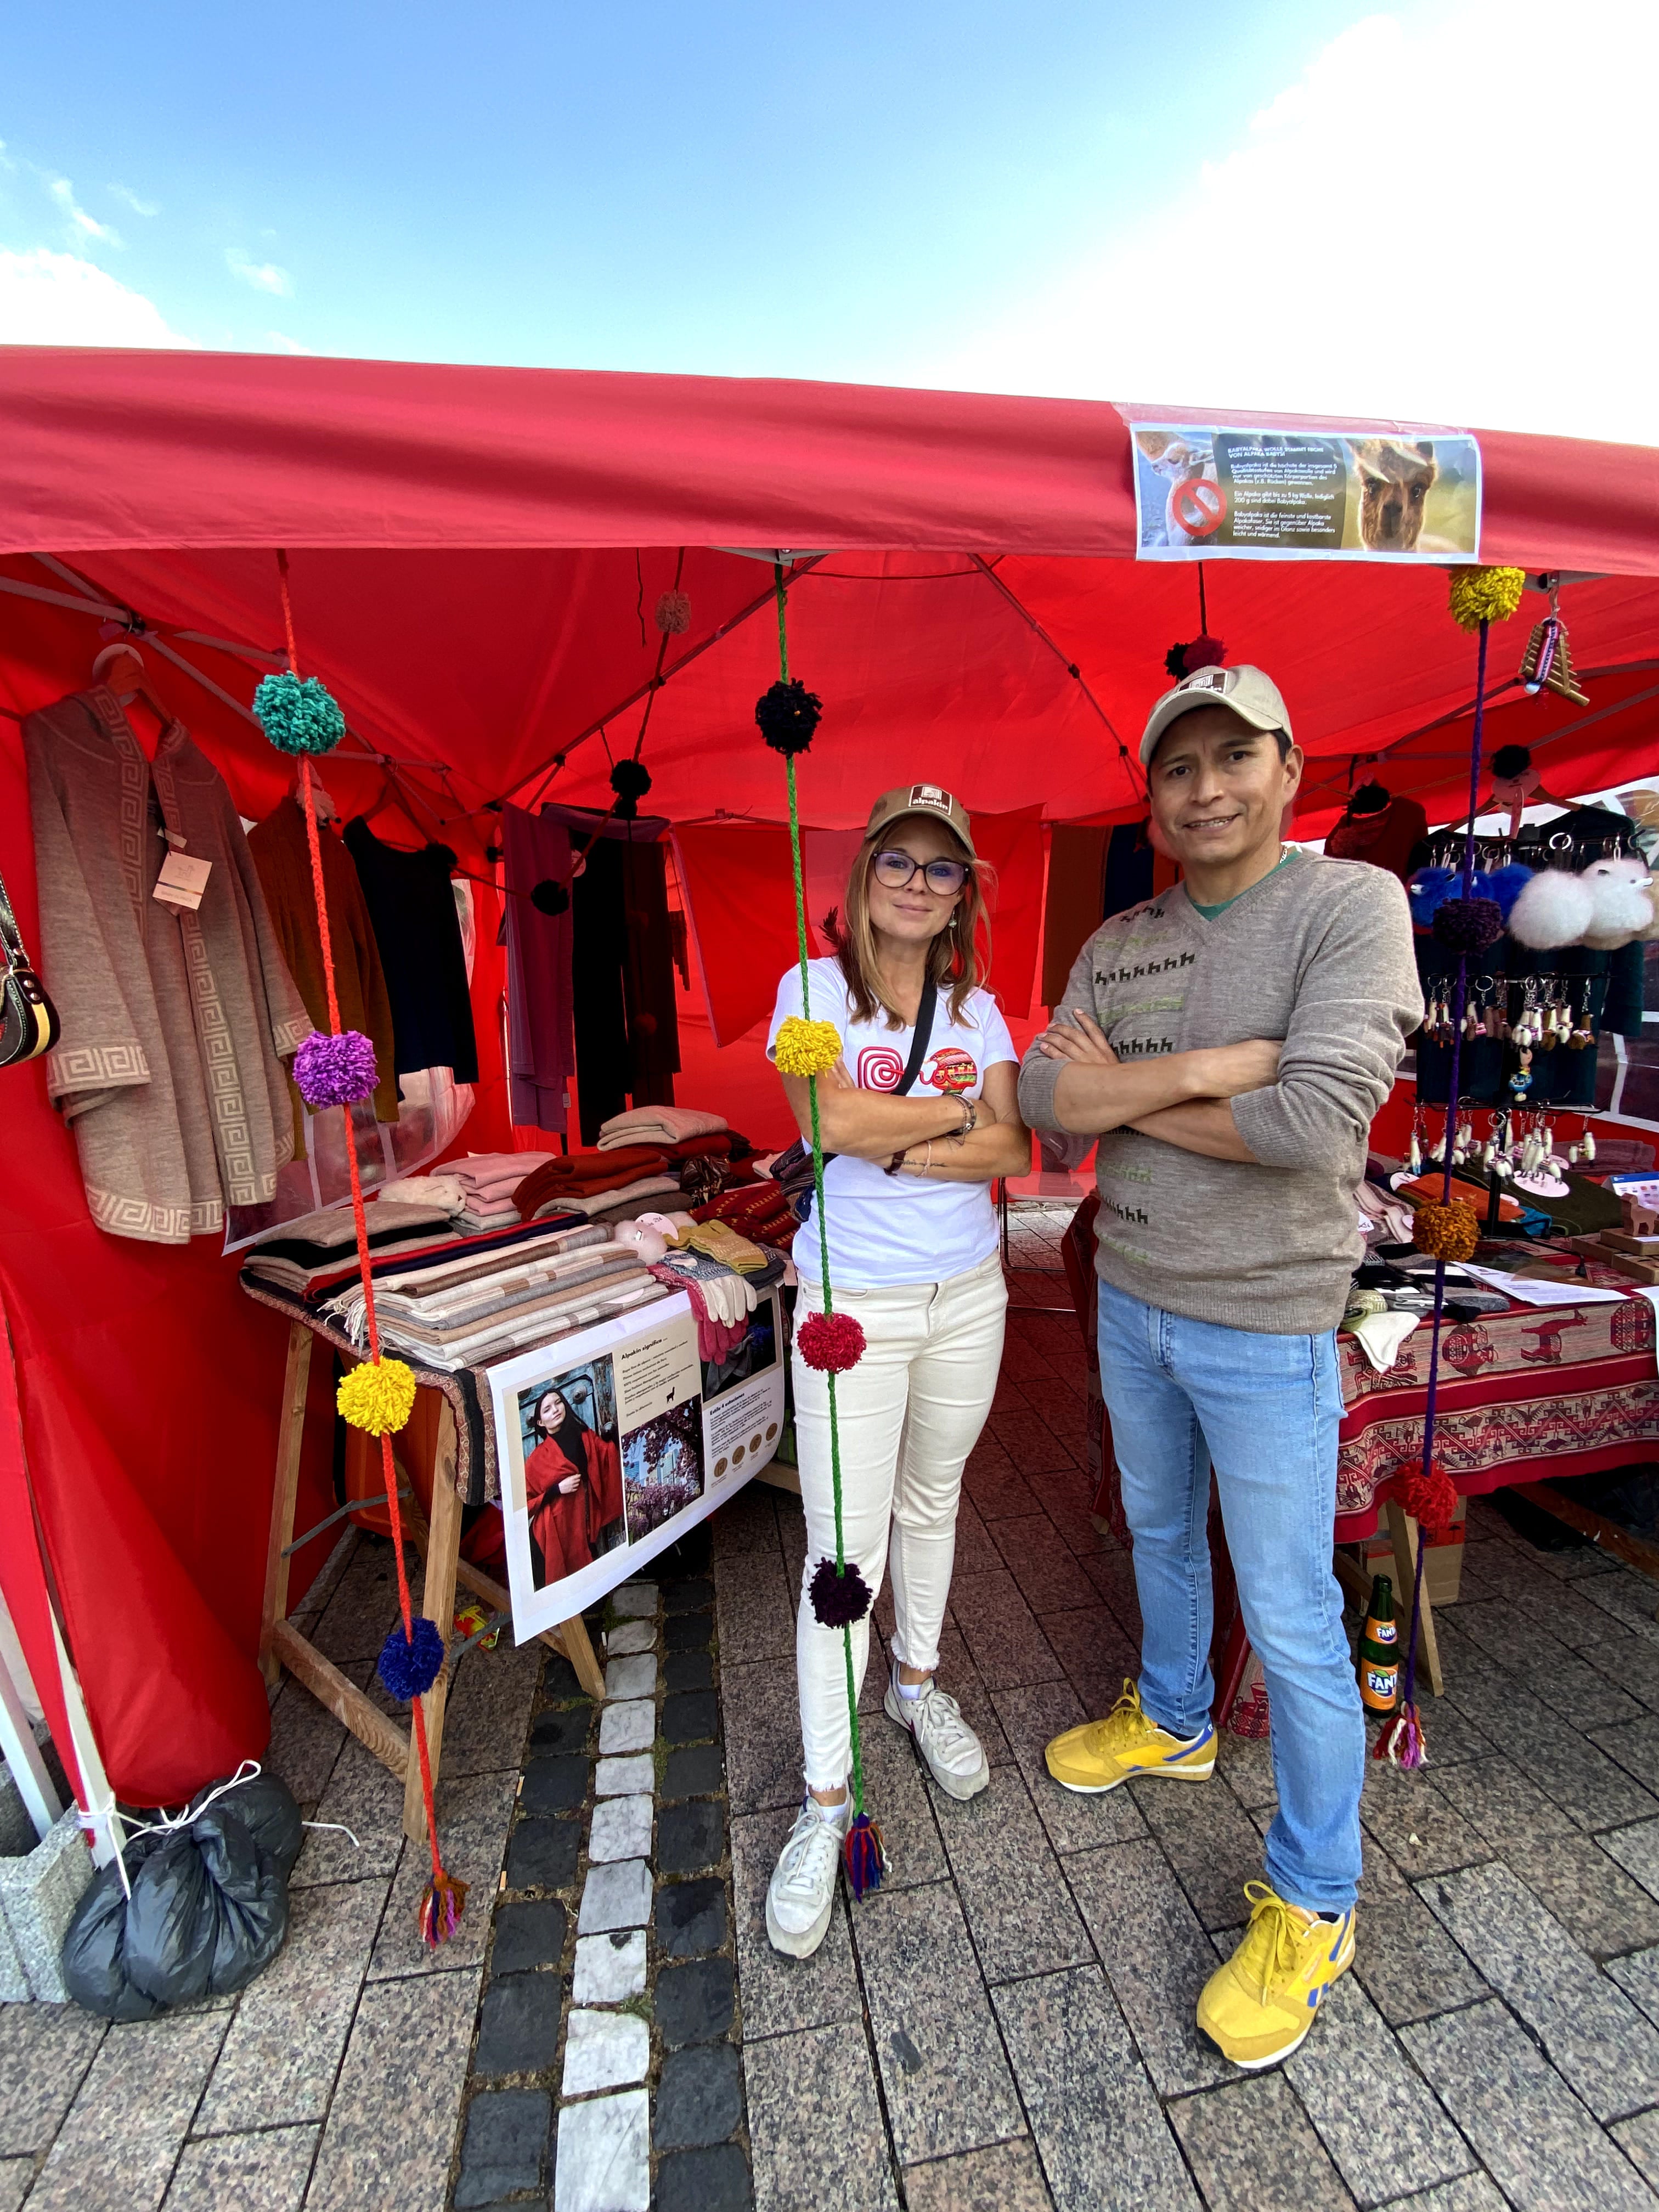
(792, 1170)
(29, 1020)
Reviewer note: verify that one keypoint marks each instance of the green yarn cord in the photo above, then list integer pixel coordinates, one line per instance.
(818, 1195)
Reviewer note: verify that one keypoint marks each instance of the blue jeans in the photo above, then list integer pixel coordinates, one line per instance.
(1266, 1410)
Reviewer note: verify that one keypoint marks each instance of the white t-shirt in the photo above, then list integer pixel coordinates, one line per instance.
(886, 1229)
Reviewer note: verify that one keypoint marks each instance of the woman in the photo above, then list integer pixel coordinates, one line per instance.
(572, 1484)
(913, 1255)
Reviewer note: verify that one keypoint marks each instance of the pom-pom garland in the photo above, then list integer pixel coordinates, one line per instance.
(1198, 652)
(865, 1855)
(376, 1397)
(1430, 1497)
(839, 1597)
(806, 1048)
(442, 1903)
(298, 713)
(550, 897)
(787, 715)
(630, 780)
(335, 1071)
(1488, 595)
(409, 1666)
(673, 614)
(1469, 925)
(831, 1343)
(1446, 1232)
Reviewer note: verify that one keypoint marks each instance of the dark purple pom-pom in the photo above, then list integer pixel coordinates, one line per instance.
(787, 716)
(409, 1667)
(838, 1600)
(865, 1854)
(1198, 652)
(630, 780)
(335, 1071)
(1469, 925)
(550, 897)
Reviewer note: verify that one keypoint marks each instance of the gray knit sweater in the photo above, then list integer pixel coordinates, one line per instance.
(1319, 954)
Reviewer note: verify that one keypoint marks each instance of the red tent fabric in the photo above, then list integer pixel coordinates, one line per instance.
(475, 556)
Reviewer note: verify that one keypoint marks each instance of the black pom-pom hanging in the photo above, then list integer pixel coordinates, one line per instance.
(630, 780)
(787, 716)
(1510, 761)
(1469, 925)
(1198, 652)
(838, 1599)
(548, 897)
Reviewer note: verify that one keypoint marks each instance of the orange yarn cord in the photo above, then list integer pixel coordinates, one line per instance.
(360, 1221)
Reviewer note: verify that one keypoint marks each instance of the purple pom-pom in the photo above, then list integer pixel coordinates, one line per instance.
(1469, 925)
(335, 1071)
(838, 1600)
(409, 1667)
(865, 1855)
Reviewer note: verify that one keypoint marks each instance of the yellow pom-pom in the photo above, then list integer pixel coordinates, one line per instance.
(806, 1047)
(378, 1395)
(1446, 1232)
(1490, 595)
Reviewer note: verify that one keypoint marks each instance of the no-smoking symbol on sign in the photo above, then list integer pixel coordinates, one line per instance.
(1198, 506)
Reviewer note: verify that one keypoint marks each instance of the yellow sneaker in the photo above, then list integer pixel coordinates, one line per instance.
(1257, 2008)
(1100, 1754)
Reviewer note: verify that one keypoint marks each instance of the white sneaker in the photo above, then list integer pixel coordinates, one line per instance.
(956, 1757)
(801, 1893)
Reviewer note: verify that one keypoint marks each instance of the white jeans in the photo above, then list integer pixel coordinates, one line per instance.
(909, 1414)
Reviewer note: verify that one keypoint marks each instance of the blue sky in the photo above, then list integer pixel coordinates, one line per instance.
(1294, 202)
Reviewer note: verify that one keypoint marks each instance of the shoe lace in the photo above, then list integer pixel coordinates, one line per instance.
(1125, 1725)
(938, 1717)
(1271, 1954)
(811, 1840)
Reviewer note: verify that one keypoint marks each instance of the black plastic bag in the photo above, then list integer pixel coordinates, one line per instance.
(266, 1809)
(94, 1943)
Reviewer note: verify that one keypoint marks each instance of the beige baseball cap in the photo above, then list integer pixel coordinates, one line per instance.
(920, 798)
(1245, 691)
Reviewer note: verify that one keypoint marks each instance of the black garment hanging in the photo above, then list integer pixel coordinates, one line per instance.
(412, 903)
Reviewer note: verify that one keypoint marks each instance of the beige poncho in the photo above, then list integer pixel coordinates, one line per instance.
(174, 1022)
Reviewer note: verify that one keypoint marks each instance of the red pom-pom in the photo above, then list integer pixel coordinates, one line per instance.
(831, 1342)
(863, 1855)
(1429, 1496)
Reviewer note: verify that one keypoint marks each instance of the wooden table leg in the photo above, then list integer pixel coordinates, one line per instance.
(290, 1434)
(438, 1603)
(1403, 1533)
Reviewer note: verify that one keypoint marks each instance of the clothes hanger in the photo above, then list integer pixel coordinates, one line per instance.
(322, 799)
(123, 664)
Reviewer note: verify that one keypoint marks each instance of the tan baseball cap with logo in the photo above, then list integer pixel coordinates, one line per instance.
(920, 798)
(1244, 691)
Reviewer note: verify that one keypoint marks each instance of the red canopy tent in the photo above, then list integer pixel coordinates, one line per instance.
(475, 553)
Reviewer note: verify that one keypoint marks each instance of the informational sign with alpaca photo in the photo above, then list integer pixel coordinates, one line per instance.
(1205, 491)
(615, 1440)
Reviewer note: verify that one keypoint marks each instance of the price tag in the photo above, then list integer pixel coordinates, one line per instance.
(182, 880)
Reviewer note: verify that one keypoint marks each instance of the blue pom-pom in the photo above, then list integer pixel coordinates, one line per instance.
(1428, 889)
(298, 713)
(409, 1668)
(1506, 885)
(865, 1855)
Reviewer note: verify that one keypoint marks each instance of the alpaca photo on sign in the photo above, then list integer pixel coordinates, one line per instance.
(572, 1469)
(1403, 484)
(1177, 462)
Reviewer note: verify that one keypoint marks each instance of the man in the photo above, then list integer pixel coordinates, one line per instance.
(1229, 1042)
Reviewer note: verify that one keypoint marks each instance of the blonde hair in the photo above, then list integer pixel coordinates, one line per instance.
(953, 957)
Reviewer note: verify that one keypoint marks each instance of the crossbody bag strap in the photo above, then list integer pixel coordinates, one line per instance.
(11, 938)
(925, 1007)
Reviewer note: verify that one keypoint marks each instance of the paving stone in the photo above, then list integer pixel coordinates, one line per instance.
(690, 1918)
(1626, 1598)
(1571, 1686)
(1002, 2178)
(1589, 2030)
(696, 1770)
(559, 1683)
(1252, 2150)
(1004, 1640)
(691, 1838)
(305, 1741)
(1639, 2141)
(15, 2175)
(1594, 1899)
(610, 1969)
(563, 1730)
(519, 2026)
(604, 2050)
(990, 1480)
(1031, 1716)
(756, 1610)
(692, 1631)
(1498, 1802)
(474, 1813)
(842, 2158)
(1369, 2104)
(363, 1798)
(689, 1596)
(896, 1790)
(1632, 1663)
(1157, 1958)
(1530, 2132)
(1092, 2109)
(353, 1623)
(505, 2147)
(1472, 2193)
(1042, 1562)
(266, 2171)
(621, 1829)
(690, 1716)
(528, 1936)
(45, 2052)
(543, 1854)
(1032, 1445)
(122, 2135)
(1398, 1804)
(763, 1735)
(1096, 1654)
(282, 2048)
(635, 1677)
(633, 1775)
(947, 2083)
(488, 1705)
(629, 1727)
(603, 2162)
(635, 1601)
(976, 1553)
(783, 1995)
(631, 1635)
(1636, 1849)
(554, 1786)
(1209, 1840)
(689, 1670)
(713, 2180)
(615, 1896)
(699, 2098)
(1018, 1909)
(958, 1675)
(695, 2004)
(380, 2149)
(1408, 1965)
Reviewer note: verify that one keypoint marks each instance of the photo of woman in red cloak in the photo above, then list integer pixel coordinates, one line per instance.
(572, 1486)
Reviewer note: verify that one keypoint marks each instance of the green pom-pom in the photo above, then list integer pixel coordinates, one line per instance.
(299, 715)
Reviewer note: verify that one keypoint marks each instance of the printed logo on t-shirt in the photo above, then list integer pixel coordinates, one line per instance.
(879, 1067)
(952, 1070)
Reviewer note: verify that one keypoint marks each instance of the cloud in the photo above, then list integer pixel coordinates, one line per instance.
(1431, 223)
(81, 224)
(56, 299)
(279, 342)
(128, 197)
(262, 275)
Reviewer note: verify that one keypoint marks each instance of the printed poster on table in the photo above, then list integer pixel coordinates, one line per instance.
(615, 1440)
(1205, 491)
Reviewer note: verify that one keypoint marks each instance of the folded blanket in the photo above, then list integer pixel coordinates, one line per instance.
(443, 1191)
(604, 1201)
(668, 1125)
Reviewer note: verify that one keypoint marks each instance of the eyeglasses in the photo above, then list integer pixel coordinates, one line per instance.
(896, 870)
